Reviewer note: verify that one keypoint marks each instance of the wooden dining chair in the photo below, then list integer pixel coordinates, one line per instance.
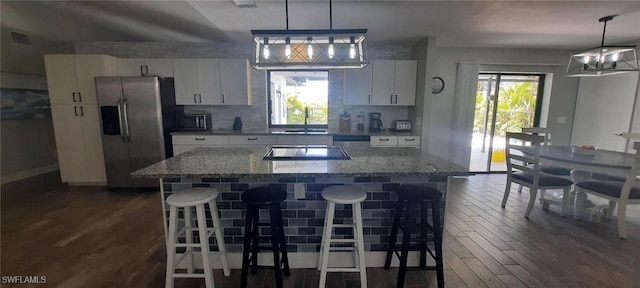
(618, 193)
(553, 170)
(523, 167)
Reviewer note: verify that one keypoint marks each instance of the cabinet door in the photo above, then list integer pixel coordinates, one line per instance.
(67, 125)
(186, 82)
(405, 82)
(357, 86)
(130, 67)
(209, 82)
(383, 82)
(61, 78)
(384, 141)
(159, 67)
(235, 80)
(92, 138)
(87, 68)
(409, 141)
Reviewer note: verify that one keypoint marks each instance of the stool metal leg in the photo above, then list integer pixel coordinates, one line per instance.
(255, 240)
(423, 234)
(283, 242)
(358, 233)
(354, 220)
(327, 243)
(171, 250)
(275, 243)
(188, 225)
(246, 248)
(213, 208)
(394, 234)
(204, 241)
(437, 233)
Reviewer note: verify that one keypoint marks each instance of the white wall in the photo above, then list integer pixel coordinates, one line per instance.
(563, 92)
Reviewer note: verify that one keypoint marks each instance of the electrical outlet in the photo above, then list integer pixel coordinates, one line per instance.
(561, 120)
(299, 190)
(255, 117)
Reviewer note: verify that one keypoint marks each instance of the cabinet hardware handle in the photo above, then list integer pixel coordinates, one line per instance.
(73, 96)
(199, 139)
(141, 71)
(384, 139)
(391, 99)
(195, 98)
(146, 70)
(409, 139)
(121, 120)
(125, 112)
(396, 98)
(222, 98)
(199, 98)
(81, 111)
(79, 97)
(254, 138)
(75, 110)
(369, 98)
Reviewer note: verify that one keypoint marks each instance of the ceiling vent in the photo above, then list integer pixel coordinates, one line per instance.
(20, 38)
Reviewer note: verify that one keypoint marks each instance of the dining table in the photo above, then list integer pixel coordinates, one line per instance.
(582, 165)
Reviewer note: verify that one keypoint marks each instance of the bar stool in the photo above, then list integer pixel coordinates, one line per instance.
(343, 194)
(255, 198)
(187, 199)
(409, 198)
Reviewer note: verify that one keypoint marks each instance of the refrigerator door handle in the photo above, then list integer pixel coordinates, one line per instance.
(119, 105)
(195, 98)
(75, 110)
(79, 97)
(141, 70)
(73, 96)
(126, 120)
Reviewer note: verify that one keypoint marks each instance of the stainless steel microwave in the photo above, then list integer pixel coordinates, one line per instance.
(193, 122)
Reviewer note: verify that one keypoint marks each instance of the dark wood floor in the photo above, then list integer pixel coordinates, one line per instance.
(88, 237)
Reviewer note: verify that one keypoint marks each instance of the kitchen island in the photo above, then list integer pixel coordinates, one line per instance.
(231, 170)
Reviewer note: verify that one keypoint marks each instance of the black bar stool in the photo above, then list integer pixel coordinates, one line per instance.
(256, 198)
(411, 197)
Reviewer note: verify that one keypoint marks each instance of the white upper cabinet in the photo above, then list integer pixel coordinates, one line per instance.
(145, 67)
(71, 77)
(212, 81)
(394, 82)
(357, 86)
(235, 80)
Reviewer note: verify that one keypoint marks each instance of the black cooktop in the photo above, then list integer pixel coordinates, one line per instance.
(306, 153)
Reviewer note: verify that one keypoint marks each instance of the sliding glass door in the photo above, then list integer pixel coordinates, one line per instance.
(504, 103)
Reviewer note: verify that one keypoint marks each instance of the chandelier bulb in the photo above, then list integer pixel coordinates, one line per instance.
(266, 54)
(586, 59)
(352, 51)
(310, 48)
(287, 51)
(615, 57)
(331, 52)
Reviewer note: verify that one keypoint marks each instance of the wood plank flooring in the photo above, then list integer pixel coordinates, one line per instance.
(89, 237)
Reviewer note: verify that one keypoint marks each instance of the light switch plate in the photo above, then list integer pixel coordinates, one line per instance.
(561, 120)
(299, 190)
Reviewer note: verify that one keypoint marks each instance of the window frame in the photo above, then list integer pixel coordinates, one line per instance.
(269, 100)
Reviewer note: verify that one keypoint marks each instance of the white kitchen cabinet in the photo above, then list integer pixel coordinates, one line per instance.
(394, 82)
(212, 81)
(357, 86)
(144, 67)
(71, 77)
(252, 140)
(79, 143)
(305, 140)
(184, 143)
(395, 141)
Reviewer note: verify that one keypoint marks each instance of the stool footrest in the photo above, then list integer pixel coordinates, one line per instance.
(343, 240)
(187, 245)
(187, 275)
(341, 249)
(183, 231)
(342, 225)
(346, 269)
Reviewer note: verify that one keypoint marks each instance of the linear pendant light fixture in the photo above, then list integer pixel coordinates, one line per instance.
(300, 49)
(603, 60)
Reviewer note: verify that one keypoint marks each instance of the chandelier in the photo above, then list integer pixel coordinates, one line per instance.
(603, 60)
(299, 49)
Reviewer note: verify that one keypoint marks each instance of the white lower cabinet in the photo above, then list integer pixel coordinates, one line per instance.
(395, 141)
(305, 140)
(79, 143)
(184, 143)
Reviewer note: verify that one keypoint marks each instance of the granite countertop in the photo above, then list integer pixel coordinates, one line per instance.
(247, 162)
(265, 131)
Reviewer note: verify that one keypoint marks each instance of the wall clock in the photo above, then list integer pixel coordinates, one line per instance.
(438, 85)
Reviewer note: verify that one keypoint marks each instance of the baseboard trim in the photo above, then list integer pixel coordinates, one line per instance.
(28, 173)
(305, 259)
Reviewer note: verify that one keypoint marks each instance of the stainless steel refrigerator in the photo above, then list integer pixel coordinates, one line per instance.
(138, 116)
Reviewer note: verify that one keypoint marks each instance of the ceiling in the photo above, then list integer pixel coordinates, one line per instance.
(533, 24)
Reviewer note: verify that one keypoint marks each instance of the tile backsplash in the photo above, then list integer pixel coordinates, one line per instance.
(254, 116)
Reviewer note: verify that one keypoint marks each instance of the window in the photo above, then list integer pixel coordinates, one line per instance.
(292, 92)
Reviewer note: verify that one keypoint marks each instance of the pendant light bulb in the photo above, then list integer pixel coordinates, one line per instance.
(265, 52)
(287, 51)
(310, 49)
(586, 59)
(615, 57)
(352, 51)
(331, 52)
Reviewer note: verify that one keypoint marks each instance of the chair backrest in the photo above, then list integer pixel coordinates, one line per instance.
(523, 154)
(632, 177)
(629, 137)
(542, 131)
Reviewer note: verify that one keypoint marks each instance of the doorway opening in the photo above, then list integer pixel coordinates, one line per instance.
(505, 102)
